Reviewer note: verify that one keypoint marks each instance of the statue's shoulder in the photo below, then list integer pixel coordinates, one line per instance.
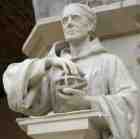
(110, 57)
(110, 60)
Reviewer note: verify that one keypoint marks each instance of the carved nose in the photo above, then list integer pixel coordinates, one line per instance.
(69, 22)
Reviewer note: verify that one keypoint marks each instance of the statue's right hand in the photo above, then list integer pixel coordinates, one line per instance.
(66, 65)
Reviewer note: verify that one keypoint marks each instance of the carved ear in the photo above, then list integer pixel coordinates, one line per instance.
(91, 31)
(92, 35)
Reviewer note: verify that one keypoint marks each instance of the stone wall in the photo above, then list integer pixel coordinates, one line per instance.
(45, 8)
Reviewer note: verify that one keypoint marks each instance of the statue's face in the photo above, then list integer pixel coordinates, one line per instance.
(75, 26)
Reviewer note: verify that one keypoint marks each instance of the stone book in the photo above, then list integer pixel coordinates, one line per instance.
(45, 32)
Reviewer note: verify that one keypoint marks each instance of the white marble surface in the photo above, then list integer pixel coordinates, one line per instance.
(69, 125)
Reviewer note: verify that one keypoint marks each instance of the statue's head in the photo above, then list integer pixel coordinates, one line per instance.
(79, 21)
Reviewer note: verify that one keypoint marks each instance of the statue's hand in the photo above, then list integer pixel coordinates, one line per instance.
(66, 65)
(75, 98)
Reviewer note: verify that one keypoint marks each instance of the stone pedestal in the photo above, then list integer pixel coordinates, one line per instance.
(72, 125)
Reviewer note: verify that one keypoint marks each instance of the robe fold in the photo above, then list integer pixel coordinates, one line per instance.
(114, 92)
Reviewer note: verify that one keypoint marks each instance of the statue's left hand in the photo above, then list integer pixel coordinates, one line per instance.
(74, 97)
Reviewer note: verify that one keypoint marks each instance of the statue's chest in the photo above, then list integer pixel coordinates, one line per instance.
(89, 66)
(93, 70)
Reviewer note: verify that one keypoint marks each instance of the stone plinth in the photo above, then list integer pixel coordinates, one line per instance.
(72, 125)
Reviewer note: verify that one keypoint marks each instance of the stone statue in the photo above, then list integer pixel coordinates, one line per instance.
(82, 75)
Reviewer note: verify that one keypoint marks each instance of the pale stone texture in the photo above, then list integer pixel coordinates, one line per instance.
(45, 8)
(72, 125)
(31, 85)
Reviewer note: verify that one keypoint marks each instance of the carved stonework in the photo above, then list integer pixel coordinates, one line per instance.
(137, 53)
(93, 3)
(46, 8)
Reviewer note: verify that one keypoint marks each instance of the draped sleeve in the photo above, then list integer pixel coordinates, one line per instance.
(27, 87)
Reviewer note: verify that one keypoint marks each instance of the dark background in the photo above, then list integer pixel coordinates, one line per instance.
(16, 22)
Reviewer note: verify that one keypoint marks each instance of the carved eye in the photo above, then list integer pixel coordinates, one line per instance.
(75, 18)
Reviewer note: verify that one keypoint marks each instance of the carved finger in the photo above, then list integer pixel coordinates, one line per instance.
(72, 67)
(73, 91)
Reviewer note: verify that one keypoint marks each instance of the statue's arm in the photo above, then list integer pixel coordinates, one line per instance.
(23, 83)
(121, 104)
